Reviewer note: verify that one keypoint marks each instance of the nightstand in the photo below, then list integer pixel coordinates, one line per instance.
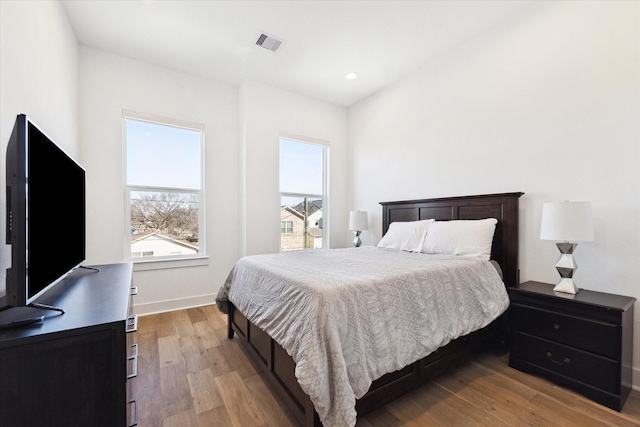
(583, 341)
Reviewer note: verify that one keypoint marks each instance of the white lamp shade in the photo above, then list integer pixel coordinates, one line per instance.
(358, 221)
(567, 222)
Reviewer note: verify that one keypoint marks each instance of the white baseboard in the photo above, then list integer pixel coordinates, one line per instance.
(173, 304)
(635, 379)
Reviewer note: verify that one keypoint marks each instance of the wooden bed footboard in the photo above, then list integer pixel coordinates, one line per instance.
(275, 365)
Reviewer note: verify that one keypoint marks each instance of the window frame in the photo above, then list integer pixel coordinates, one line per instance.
(325, 183)
(286, 227)
(158, 262)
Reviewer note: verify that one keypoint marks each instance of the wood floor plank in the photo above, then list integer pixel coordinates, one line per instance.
(236, 358)
(197, 314)
(169, 351)
(506, 400)
(449, 409)
(539, 384)
(195, 356)
(181, 419)
(218, 319)
(204, 391)
(407, 410)
(188, 371)
(630, 412)
(632, 407)
(559, 414)
(179, 315)
(147, 384)
(237, 399)
(184, 328)
(166, 328)
(215, 417)
(206, 334)
(379, 418)
(148, 323)
(217, 362)
(266, 403)
(175, 391)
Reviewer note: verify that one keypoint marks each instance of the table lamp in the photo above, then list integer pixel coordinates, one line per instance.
(358, 221)
(566, 222)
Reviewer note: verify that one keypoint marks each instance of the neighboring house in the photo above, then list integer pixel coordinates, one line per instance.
(292, 230)
(315, 212)
(317, 237)
(157, 245)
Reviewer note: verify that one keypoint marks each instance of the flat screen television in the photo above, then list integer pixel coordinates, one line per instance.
(45, 213)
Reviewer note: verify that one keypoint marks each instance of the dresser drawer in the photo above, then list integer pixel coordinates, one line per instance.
(576, 364)
(593, 336)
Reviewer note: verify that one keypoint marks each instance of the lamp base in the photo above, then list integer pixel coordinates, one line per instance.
(566, 267)
(566, 285)
(357, 242)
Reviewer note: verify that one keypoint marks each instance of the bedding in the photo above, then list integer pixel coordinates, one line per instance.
(349, 316)
(406, 236)
(461, 237)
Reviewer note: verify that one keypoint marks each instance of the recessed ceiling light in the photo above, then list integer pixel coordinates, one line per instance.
(352, 75)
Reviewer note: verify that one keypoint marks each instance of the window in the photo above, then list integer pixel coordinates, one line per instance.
(286, 226)
(302, 194)
(164, 188)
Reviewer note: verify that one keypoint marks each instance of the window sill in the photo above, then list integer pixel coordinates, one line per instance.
(168, 263)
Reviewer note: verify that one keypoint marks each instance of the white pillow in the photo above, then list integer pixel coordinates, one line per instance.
(461, 237)
(406, 236)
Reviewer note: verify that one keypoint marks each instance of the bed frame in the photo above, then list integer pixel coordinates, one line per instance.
(271, 360)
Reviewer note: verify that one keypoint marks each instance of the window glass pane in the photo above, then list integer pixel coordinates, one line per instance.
(301, 167)
(164, 223)
(162, 156)
(300, 223)
(286, 226)
(164, 179)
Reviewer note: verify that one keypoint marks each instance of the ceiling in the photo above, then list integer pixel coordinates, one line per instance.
(382, 41)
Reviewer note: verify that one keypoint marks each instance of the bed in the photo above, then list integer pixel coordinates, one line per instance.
(287, 326)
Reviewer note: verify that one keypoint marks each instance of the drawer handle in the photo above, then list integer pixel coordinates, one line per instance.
(556, 326)
(134, 290)
(134, 353)
(564, 361)
(135, 413)
(134, 372)
(132, 324)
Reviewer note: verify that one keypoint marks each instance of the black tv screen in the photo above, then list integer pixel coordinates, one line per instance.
(45, 213)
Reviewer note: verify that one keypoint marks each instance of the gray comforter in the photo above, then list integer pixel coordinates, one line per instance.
(349, 316)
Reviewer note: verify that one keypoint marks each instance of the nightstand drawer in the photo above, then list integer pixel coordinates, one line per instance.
(578, 365)
(593, 336)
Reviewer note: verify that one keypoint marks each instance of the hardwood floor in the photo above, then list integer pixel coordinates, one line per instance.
(190, 374)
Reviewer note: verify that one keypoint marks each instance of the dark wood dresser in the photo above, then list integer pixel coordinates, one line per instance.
(583, 341)
(72, 369)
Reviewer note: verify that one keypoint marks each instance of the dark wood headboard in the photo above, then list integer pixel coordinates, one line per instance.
(503, 207)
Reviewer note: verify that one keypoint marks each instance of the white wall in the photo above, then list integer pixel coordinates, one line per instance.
(110, 83)
(38, 77)
(548, 104)
(266, 112)
(242, 129)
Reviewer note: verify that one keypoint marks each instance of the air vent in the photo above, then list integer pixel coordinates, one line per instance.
(269, 42)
